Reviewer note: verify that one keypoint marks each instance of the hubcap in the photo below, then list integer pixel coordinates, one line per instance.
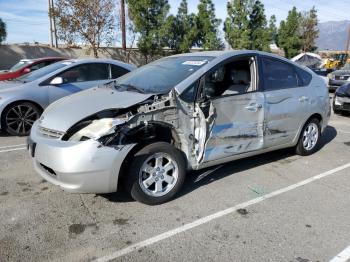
(310, 136)
(158, 175)
(19, 119)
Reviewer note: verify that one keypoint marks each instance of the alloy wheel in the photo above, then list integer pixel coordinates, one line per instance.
(158, 175)
(310, 136)
(20, 118)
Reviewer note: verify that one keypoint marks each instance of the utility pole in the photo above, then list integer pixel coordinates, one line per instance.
(347, 42)
(54, 24)
(122, 14)
(50, 18)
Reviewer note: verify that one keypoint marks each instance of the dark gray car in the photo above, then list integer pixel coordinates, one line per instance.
(339, 77)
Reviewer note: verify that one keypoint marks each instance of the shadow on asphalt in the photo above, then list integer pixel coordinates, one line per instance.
(196, 179)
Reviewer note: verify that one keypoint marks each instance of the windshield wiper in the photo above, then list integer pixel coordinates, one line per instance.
(123, 87)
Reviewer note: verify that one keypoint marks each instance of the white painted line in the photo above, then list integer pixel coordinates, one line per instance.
(201, 221)
(342, 256)
(13, 149)
(20, 145)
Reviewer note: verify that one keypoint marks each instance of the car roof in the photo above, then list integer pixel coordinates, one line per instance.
(42, 59)
(221, 56)
(101, 60)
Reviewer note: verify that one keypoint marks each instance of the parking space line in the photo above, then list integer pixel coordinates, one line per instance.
(204, 220)
(11, 146)
(12, 149)
(342, 256)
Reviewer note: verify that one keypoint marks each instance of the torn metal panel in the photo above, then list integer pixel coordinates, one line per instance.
(238, 126)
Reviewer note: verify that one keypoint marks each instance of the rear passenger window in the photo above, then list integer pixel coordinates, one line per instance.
(118, 71)
(304, 76)
(278, 75)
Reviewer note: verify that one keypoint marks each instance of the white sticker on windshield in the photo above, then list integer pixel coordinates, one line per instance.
(195, 63)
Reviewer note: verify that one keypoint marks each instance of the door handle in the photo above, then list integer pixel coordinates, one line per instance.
(254, 107)
(303, 99)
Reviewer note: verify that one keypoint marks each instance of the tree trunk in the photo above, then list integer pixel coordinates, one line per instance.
(94, 49)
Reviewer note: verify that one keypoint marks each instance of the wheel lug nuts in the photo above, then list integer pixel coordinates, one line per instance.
(162, 177)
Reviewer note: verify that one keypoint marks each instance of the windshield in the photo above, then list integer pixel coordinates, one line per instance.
(21, 64)
(346, 67)
(162, 75)
(42, 72)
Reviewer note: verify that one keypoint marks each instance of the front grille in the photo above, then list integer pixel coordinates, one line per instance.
(48, 169)
(49, 133)
(346, 106)
(345, 77)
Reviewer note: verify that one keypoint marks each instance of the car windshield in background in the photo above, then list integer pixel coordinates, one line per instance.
(162, 75)
(42, 72)
(19, 65)
(346, 67)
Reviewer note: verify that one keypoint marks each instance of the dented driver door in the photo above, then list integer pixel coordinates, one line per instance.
(237, 126)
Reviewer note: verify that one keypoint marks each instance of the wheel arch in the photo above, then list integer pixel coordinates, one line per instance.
(167, 133)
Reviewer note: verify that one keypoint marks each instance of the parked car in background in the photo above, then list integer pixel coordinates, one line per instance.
(341, 100)
(22, 100)
(339, 77)
(178, 113)
(26, 66)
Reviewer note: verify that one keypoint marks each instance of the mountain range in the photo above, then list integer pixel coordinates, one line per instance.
(333, 35)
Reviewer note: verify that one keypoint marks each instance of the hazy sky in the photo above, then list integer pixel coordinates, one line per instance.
(27, 20)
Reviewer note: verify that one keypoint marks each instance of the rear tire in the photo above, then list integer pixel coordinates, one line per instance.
(156, 173)
(309, 139)
(18, 118)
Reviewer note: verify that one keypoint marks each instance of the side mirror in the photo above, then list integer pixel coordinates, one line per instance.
(56, 81)
(26, 70)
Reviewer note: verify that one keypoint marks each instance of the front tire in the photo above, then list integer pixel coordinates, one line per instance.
(310, 138)
(156, 174)
(18, 118)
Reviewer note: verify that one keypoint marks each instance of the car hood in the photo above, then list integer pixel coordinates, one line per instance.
(64, 113)
(341, 72)
(7, 85)
(344, 90)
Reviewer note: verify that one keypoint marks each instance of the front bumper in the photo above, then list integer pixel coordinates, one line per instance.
(341, 103)
(78, 167)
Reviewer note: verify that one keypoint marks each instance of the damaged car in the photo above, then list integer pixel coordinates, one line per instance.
(147, 129)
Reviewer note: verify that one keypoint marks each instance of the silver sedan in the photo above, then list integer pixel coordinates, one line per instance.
(23, 100)
(185, 112)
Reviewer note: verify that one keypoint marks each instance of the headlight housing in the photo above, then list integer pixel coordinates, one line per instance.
(97, 129)
(331, 76)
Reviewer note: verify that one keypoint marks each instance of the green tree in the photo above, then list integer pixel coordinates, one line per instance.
(289, 35)
(309, 30)
(150, 22)
(207, 26)
(258, 32)
(236, 26)
(181, 30)
(3, 33)
(273, 29)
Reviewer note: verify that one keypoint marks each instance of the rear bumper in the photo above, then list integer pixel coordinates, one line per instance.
(82, 167)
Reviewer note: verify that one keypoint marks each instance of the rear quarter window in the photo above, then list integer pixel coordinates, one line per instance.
(304, 76)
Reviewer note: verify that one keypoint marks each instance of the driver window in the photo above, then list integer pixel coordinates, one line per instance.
(85, 72)
(234, 78)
